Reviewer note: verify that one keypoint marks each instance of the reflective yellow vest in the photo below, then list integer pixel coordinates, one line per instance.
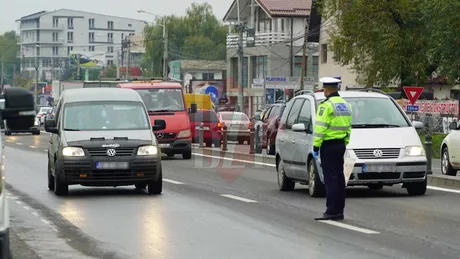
(333, 121)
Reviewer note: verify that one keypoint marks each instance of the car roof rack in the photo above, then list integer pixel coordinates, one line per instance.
(374, 90)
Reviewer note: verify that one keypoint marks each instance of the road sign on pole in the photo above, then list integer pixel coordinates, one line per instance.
(412, 108)
(413, 93)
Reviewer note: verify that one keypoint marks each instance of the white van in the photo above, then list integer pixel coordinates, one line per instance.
(384, 144)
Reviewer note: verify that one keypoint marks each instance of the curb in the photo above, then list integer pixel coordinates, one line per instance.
(442, 181)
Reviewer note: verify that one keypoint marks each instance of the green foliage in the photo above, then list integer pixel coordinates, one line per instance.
(436, 143)
(23, 81)
(111, 71)
(390, 40)
(8, 50)
(197, 35)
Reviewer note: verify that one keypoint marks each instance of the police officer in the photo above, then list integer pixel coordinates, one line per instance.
(332, 134)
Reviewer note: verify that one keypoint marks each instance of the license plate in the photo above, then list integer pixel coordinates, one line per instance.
(112, 165)
(163, 145)
(379, 168)
(204, 128)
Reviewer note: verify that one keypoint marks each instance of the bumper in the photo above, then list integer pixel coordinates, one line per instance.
(178, 146)
(83, 171)
(406, 172)
(238, 133)
(31, 129)
(4, 243)
(208, 135)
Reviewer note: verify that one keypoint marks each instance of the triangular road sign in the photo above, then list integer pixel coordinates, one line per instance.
(413, 93)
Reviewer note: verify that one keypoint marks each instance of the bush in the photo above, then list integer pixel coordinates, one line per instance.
(436, 140)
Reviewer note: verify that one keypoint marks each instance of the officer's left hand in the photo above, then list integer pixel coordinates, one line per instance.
(315, 154)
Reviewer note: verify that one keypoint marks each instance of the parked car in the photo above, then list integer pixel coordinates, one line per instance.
(450, 151)
(238, 125)
(41, 115)
(384, 144)
(212, 133)
(266, 127)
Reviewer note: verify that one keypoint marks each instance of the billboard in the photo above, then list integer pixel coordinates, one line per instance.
(215, 88)
(89, 60)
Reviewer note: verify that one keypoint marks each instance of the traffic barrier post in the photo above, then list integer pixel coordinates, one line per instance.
(251, 140)
(200, 138)
(429, 153)
(224, 138)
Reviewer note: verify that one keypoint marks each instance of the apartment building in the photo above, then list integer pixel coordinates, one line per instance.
(48, 38)
(272, 44)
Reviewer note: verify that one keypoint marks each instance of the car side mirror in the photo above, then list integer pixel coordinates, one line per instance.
(50, 126)
(299, 127)
(453, 125)
(418, 124)
(17, 108)
(159, 125)
(193, 108)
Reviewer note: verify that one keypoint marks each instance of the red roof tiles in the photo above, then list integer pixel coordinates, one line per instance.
(286, 8)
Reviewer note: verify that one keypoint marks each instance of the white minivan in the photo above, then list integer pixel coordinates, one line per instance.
(384, 144)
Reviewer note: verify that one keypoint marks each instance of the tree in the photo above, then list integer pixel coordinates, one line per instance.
(8, 51)
(23, 81)
(197, 35)
(384, 41)
(111, 71)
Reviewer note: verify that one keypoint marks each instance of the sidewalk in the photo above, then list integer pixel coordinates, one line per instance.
(19, 248)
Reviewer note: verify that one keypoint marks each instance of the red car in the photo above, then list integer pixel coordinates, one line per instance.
(212, 133)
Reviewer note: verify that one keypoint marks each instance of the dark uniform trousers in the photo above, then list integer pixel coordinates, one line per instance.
(332, 152)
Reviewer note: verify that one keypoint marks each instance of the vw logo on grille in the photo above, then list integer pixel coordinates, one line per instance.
(378, 153)
(159, 135)
(111, 152)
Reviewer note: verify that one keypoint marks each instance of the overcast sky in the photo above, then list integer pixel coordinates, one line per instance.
(12, 10)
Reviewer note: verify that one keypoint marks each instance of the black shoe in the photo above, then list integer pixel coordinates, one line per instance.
(331, 217)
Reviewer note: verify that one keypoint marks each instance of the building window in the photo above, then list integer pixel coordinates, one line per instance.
(69, 36)
(109, 62)
(55, 22)
(69, 49)
(55, 36)
(323, 53)
(55, 50)
(110, 25)
(131, 34)
(234, 71)
(259, 67)
(109, 37)
(37, 51)
(91, 48)
(208, 76)
(110, 49)
(70, 23)
(91, 37)
(91, 23)
(130, 25)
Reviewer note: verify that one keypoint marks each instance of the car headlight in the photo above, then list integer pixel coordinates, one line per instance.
(184, 134)
(415, 151)
(73, 151)
(147, 151)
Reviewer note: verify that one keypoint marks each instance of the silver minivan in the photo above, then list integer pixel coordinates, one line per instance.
(384, 144)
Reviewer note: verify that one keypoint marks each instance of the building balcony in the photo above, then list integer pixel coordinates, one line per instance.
(261, 39)
(60, 27)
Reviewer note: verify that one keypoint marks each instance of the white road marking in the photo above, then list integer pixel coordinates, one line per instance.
(42, 131)
(47, 222)
(18, 143)
(442, 189)
(46, 150)
(236, 160)
(27, 207)
(350, 227)
(237, 198)
(18, 202)
(8, 140)
(32, 146)
(35, 213)
(172, 181)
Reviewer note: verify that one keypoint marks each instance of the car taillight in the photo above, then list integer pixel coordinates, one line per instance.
(250, 125)
(220, 124)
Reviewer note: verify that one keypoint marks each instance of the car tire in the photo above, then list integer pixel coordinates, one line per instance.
(446, 167)
(270, 147)
(36, 132)
(284, 183)
(187, 154)
(60, 188)
(375, 186)
(156, 186)
(141, 186)
(217, 143)
(7, 132)
(417, 189)
(50, 178)
(208, 144)
(315, 186)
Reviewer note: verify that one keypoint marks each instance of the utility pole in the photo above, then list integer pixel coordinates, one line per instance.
(36, 77)
(304, 48)
(241, 29)
(128, 57)
(3, 72)
(14, 73)
(118, 65)
(291, 59)
(165, 50)
(78, 67)
(310, 72)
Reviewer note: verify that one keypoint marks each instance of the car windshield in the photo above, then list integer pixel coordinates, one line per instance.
(203, 116)
(85, 116)
(234, 116)
(158, 99)
(372, 112)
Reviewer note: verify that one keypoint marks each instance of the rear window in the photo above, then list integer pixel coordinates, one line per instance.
(234, 117)
(203, 116)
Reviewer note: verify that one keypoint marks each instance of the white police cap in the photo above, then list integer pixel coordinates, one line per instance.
(330, 82)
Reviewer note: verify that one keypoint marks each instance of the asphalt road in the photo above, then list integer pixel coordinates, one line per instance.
(213, 208)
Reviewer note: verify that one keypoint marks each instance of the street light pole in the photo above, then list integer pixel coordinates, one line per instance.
(36, 75)
(165, 50)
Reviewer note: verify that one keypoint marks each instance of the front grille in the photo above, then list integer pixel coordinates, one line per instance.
(386, 153)
(165, 135)
(103, 151)
(411, 175)
(72, 171)
(379, 176)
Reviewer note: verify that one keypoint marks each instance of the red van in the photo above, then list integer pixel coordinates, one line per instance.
(165, 100)
(212, 131)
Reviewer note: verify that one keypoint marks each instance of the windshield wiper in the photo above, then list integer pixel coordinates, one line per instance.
(374, 125)
(163, 110)
(65, 129)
